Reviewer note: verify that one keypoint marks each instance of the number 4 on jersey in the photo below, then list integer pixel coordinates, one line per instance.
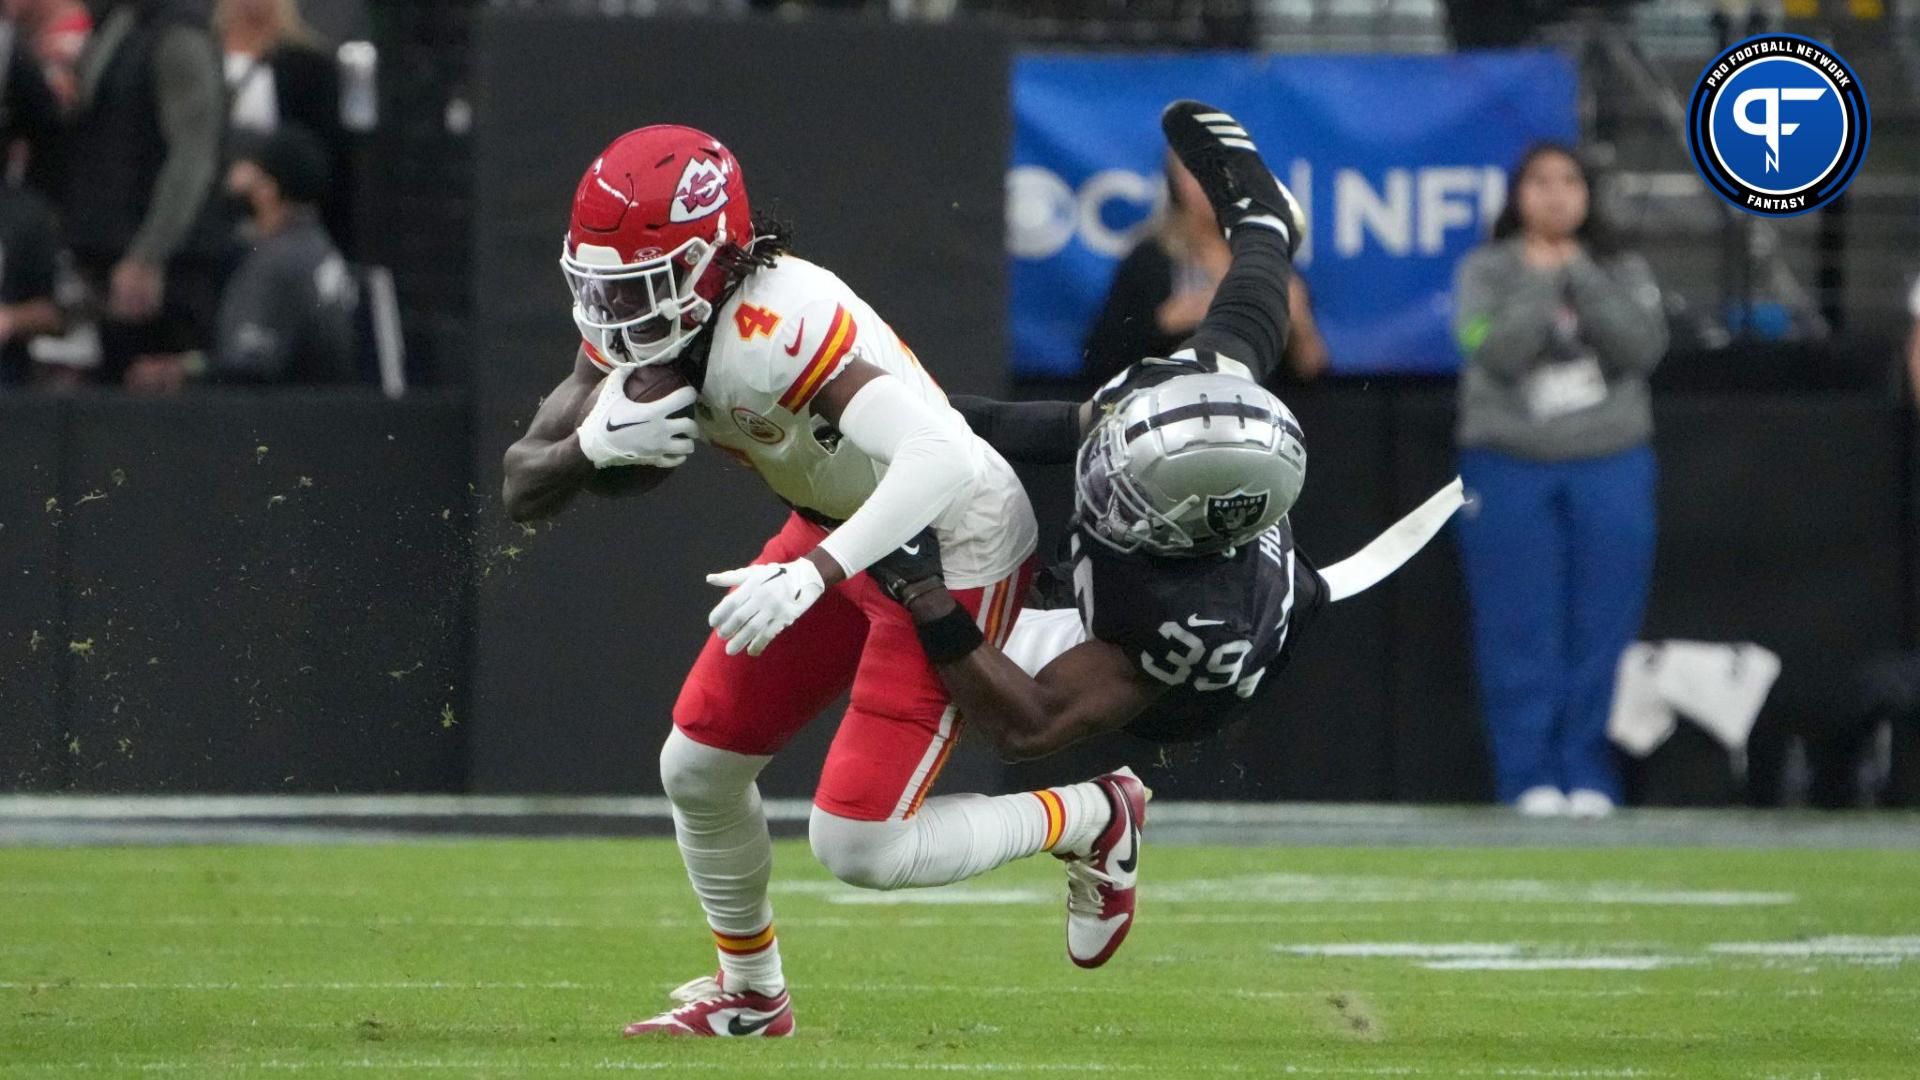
(753, 321)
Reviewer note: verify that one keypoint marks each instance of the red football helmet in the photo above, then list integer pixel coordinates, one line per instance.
(648, 218)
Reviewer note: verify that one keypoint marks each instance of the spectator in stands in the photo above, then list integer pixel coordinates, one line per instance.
(30, 111)
(288, 315)
(29, 268)
(55, 32)
(1162, 288)
(142, 156)
(279, 72)
(1559, 331)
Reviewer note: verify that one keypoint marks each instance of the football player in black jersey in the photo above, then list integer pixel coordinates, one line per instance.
(1187, 589)
(1185, 581)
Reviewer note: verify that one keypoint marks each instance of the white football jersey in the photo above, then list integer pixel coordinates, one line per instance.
(784, 333)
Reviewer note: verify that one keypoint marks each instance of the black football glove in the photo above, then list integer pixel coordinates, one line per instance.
(906, 571)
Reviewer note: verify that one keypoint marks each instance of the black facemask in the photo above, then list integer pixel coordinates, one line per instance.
(238, 206)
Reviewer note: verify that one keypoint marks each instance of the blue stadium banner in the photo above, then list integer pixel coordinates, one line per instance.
(1399, 161)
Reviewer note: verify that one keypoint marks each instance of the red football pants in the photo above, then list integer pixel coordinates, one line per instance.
(899, 727)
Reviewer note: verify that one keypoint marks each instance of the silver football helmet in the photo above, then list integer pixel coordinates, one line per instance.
(1193, 465)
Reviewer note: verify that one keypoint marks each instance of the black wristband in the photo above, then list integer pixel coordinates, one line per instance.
(910, 591)
(949, 637)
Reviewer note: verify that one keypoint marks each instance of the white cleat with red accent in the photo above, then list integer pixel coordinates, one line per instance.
(1100, 887)
(709, 1010)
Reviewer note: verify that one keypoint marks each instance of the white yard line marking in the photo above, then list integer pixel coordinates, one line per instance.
(1556, 963)
(1613, 956)
(1843, 946)
(1417, 950)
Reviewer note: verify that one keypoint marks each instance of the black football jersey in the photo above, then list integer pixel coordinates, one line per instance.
(1214, 631)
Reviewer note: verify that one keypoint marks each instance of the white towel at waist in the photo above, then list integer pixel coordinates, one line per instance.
(1718, 686)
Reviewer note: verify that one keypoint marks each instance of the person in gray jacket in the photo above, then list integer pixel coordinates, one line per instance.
(289, 312)
(1559, 332)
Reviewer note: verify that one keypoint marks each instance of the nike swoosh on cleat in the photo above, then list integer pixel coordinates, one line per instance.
(1132, 860)
(800, 332)
(750, 1027)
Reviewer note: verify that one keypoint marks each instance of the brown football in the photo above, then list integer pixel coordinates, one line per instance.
(653, 382)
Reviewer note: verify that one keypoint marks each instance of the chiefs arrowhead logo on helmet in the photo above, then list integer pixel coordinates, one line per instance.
(701, 191)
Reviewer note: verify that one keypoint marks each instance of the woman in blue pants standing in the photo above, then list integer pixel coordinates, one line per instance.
(1559, 331)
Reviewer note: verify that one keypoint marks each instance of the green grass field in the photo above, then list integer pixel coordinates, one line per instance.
(524, 958)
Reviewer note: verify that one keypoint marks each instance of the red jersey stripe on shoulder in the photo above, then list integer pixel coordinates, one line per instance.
(837, 343)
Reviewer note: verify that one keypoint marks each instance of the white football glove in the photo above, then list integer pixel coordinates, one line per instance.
(765, 600)
(620, 431)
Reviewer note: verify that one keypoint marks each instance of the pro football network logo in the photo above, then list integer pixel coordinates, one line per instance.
(1778, 125)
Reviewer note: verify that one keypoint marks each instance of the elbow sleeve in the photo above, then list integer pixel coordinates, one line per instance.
(929, 466)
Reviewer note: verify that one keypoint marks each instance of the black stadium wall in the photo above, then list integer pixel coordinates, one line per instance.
(318, 591)
(234, 592)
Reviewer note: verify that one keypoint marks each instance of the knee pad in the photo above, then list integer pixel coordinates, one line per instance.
(696, 776)
(865, 854)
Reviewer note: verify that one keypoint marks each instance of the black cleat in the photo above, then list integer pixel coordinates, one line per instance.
(1221, 156)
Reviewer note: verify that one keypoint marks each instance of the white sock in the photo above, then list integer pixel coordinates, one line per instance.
(955, 837)
(722, 831)
(1086, 811)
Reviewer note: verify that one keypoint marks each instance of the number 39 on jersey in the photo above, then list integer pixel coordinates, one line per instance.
(1188, 658)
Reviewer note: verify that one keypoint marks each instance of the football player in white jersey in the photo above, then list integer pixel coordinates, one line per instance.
(791, 372)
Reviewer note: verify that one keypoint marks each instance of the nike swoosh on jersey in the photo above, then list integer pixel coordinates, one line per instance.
(911, 549)
(799, 335)
(1196, 622)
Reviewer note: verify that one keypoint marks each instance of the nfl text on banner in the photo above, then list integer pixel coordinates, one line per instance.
(1399, 162)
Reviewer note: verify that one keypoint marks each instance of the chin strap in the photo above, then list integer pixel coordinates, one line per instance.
(1391, 549)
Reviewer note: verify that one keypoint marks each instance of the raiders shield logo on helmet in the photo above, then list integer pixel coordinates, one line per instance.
(1229, 514)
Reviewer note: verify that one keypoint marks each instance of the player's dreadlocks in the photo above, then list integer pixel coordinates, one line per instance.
(772, 238)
